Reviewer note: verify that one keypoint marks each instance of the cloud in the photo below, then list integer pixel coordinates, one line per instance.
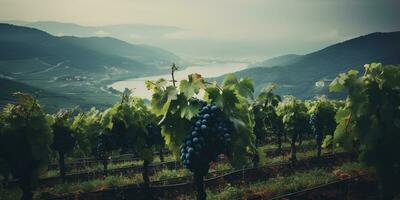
(102, 33)
(136, 36)
(185, 34)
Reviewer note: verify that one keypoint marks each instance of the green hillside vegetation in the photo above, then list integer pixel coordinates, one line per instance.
(115, 47)
(9, 87)
(72, 67)
(298, 78)
(277, 61)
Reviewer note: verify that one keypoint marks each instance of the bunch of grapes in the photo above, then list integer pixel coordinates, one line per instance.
(209, 136)
(104, 145)
(316, 127)
(154, 136)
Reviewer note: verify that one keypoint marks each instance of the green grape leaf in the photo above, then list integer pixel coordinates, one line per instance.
(229, 100)
(229, 80)
(158, 85)
(214, 95)
(245, 88)
(190, 88)
(188, 111)
(161, 100)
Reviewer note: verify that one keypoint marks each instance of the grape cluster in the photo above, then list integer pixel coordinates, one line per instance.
(209, 136)
(154, 136)
(63, 138)
(316, 127)
(104, 145)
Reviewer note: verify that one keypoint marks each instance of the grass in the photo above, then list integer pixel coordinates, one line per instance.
(109, 181)
(281, 185)
(87, 186)
(285, 145)
(99, 166)
(96, 167)
(167, 174)
(278, 185)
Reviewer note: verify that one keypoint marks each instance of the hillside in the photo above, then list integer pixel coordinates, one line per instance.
(298, 78)
(51, 101)
(277, 61)
(111, 46)
(133, 33)
(121, 31)
(75, 67)
(26, 43)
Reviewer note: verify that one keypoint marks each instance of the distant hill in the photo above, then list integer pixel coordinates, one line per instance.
(133, 33)
(26, 43)
(298, 77)
(9, 87)
(111, 46)
(277, 61)
(73, 66)
(122, 31)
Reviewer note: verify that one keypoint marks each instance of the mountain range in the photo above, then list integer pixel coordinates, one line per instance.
(298, 74)
(68, 70)
(73, 66)
(121, 31)
(277, 61)
(133, 33)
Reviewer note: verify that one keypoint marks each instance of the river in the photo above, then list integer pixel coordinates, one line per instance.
(208, 71)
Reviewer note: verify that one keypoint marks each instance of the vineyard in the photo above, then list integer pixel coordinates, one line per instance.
(197, 139)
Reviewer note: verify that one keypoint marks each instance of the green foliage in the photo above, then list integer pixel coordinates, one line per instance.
(233, 98)
(294, 115)
(267, 121)
(25, 139)
(105, 146)
(87, 126)
(322, 120)
(370, 120)
(154, 137)
(127, 121)
(295, 120)
(63, 139)
(174, 109)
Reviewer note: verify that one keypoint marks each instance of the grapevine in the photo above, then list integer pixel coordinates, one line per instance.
(322, 120)
(294, 114)
(369, 121)
(25, 139)
(63, 137)
(87, 126)
(265, 112)
(198, 131)
(127, 122)
(156, 139)
(104, 148)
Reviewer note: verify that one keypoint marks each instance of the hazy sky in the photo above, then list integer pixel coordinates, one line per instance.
(226, 27)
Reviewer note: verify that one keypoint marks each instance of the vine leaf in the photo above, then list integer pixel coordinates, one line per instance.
(191, 87)
(161, 101)
(338, 84)
(188, 111)
(213, 94)
(244, 87)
